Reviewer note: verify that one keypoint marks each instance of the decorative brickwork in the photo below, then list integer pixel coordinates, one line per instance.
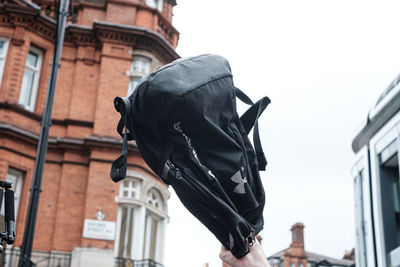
(83, 140)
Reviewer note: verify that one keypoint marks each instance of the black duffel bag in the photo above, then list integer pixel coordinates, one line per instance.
(183, 118)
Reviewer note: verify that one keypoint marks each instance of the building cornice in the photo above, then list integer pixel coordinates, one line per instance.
(23, 15)
(375, 123)
(138, 37)
(37, 117)
(85, 144)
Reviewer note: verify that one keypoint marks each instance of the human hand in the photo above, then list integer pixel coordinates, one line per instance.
(255, 258)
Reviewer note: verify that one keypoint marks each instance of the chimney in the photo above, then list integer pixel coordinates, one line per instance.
(297, 235)
(295, 252)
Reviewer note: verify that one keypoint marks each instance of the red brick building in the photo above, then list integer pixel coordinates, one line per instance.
(296, 255)
(84, 219)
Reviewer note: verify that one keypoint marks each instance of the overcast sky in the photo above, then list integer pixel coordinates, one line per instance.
(323, 64)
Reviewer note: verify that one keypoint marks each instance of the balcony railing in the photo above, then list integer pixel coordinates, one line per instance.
(125, 262)
(39, 258)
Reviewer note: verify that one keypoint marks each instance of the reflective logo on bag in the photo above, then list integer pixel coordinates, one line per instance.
(237, 178)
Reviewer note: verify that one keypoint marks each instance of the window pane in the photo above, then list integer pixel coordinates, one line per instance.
(32, 59)
(126, 232)
(153, 243)
(360, 218)
(12, 178)
(154, 199)
(129, 233)
(155, 4)
(152, 3)
(2, 48)
(388, 152)
(390, 198)
(27, 86)
(122, 235)
(141, 65)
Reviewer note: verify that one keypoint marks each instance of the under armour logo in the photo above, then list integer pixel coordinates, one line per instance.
(237, 178)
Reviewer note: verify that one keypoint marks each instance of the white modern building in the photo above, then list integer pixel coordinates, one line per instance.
(376, 182)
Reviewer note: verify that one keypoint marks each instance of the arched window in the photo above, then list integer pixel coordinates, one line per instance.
(141, 219)
(154, 198)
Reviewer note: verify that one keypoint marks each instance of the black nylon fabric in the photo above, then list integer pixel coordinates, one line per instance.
(184, 120)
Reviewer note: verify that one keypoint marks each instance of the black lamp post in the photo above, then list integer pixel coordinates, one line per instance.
(26, 249)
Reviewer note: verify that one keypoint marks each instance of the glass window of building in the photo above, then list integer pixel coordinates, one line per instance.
(150, 240)
(129, 188)
(140, 67)
(152, 225)
(390, 195)
(141, 221)
(30, 81)
(154, 199)
(126, 231)
(155, 4)
(360, 217)
(3, 53)
(16, 178)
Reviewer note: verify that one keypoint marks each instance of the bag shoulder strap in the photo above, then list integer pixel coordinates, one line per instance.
(118, 166)
(250, 119)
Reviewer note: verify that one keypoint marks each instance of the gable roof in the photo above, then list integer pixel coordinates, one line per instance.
(318, 258)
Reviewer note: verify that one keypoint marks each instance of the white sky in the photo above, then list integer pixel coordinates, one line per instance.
(323, 64)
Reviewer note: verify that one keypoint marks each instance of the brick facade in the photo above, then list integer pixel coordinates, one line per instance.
(100, 40)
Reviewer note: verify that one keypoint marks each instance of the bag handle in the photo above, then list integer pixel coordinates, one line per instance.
(123, 106)
(250, 119)
(118, 166)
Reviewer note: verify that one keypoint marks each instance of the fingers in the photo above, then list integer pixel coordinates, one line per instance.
(225, 255)
(255, 258)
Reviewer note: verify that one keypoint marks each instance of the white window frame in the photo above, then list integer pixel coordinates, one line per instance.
(137, 75)
(35, 84)
(154, 202)
(3, 57)
(361, 165)
(132, 188)
(142, 210)
(131, 219)
(161, 226)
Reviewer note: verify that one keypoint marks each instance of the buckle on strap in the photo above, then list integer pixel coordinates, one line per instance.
(251, 238)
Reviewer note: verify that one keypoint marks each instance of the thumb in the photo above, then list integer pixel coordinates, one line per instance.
(226, 255)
